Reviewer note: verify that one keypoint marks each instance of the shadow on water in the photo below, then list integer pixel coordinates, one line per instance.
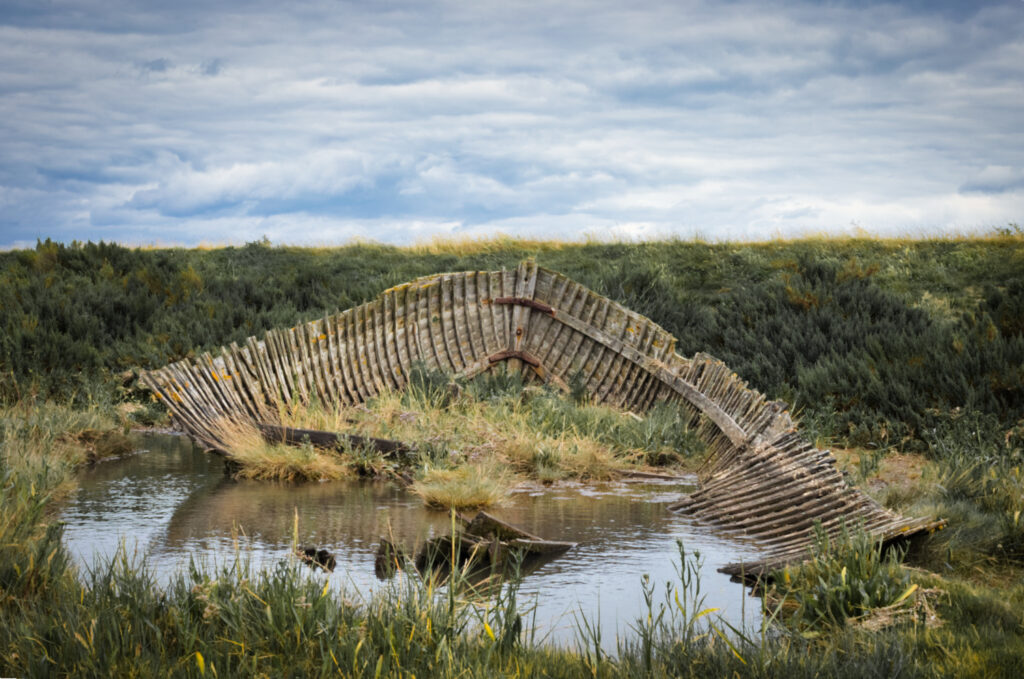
(173, 502)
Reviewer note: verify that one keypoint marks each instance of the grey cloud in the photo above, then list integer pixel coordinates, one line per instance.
(211, 67)
(156, 65)
(995, 179)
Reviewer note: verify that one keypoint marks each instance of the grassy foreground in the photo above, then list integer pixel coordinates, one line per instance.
(231, 620)
(850, 612)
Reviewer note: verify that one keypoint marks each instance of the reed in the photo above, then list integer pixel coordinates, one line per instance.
(465, 431)
(253, 457)
(977, 481)
(47, 442)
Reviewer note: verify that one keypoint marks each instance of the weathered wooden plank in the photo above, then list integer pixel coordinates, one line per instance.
(352, 355)
(428, 352)
(484, 314)
(257, 384)
(454, 335)
(436, 329)
(241, 380)
(547, 339)
(341, 386)
(332, 440)
(385, 367)
(348, 382)
(327, 365)
(310, 338)
(401, 324)
(586, 364)
(627, 377)
(295, 362)
(368, 351)
(567, 360)
(391, 340)
(609, 356)
(287, 365)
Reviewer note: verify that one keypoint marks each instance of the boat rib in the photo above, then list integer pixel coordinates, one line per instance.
(761, 479)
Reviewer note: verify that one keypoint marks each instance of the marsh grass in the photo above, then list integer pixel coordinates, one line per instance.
(47, 442)
(32, 559)
(475, 439)
(254, 458)
(231, 619)
(846, 577)
(974, 479)
(987, 497)
(464, 487)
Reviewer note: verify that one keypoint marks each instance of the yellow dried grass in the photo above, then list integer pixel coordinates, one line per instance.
(258, 459)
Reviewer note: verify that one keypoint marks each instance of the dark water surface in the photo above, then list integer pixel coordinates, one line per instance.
(171, 502)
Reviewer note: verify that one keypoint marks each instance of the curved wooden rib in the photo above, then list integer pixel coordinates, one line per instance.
(760, 478)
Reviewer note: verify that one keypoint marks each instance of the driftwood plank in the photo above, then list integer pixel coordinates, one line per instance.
(332, 440)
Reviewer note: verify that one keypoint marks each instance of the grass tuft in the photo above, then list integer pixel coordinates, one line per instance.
(465, 487)
(255, 458)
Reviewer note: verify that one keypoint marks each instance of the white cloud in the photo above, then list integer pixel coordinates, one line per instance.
(319, 173)
(402, 120)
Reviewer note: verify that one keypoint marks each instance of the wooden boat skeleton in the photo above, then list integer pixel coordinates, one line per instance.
(760, 478)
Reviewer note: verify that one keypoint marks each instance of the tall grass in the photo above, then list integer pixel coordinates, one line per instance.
(980, 487)
(32, 559)
(48, 441)
(473, 439)
(466, 487)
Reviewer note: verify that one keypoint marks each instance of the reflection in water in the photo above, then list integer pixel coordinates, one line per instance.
(174, 502)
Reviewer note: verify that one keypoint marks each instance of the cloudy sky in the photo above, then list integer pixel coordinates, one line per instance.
(318, 122)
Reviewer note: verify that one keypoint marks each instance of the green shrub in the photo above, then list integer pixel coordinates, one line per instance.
(981, 484)
(844, 578)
